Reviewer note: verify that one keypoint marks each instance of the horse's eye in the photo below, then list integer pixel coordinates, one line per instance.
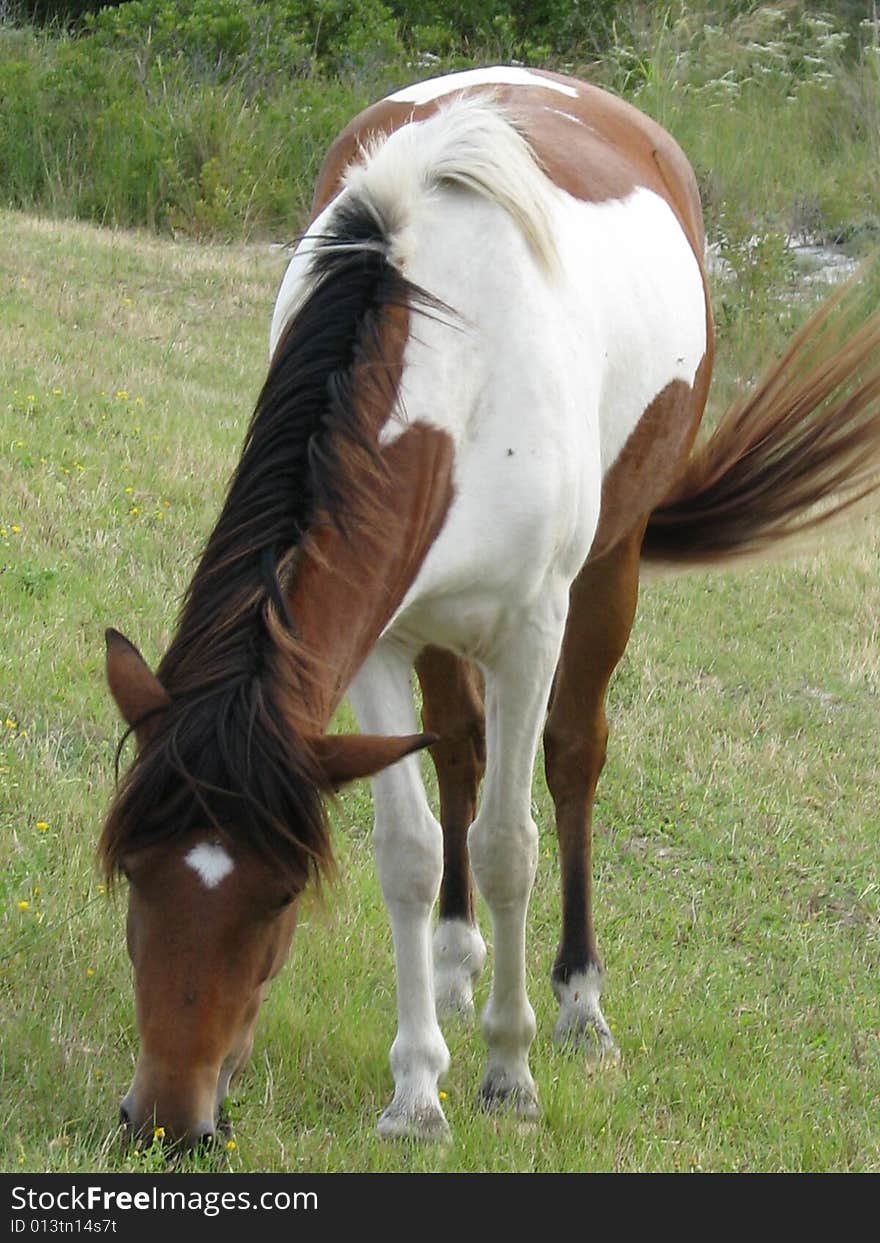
(285, 901)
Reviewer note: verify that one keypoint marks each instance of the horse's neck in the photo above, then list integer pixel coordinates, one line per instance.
(348, 585)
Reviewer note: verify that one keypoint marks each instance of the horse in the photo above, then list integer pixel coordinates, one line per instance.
(489, 357)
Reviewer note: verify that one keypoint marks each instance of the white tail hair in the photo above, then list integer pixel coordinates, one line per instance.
(471, 142)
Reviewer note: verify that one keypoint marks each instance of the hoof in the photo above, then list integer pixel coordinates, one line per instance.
(587, 1037)
(581, 1024)
(583, 1032)
(414, 1120)
(501, 1092)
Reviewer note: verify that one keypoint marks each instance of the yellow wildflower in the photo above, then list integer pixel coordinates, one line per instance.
(231, 1145)
(89, 972)
(122, 394)
(9, 723)
(35, 892)
(15, 529)
(134, 511)
(159, 1133)
(42, 826)
(24, 905)
(443, 1095)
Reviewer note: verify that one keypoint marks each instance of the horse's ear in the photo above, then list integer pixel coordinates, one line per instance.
(139, 694)
(345, 757)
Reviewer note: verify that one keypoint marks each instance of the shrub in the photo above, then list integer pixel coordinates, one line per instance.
(249, 40)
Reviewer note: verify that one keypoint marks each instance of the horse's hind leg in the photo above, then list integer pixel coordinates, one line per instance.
(452, 708)
(601, 610)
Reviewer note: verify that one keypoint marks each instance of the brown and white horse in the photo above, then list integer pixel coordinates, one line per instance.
(489, 358)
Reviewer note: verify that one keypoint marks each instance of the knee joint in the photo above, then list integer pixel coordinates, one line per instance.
(573, 762)
(504, 859)
(409, 859)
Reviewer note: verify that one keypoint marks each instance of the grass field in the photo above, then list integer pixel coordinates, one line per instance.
(738, 900)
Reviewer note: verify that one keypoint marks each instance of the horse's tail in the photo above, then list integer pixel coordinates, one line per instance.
(795, 452)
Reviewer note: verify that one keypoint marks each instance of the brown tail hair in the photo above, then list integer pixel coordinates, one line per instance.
(798, 450)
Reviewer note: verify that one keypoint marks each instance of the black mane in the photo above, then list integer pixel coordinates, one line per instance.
(224, 755)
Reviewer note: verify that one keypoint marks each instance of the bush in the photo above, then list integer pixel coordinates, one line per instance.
(249, 40)
(210, 117)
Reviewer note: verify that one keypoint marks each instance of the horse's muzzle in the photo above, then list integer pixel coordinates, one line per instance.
(198, 1135)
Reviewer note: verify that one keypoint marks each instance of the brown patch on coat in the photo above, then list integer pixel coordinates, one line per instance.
(652, 459)
(347, 583)
(346, 590)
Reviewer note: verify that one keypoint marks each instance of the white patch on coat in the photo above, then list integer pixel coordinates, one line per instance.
(539, 386)
(497, 75)
(568, 117)
(211, 861)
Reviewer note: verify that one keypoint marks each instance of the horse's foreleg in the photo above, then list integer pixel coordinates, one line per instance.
(409, 856)
(503, 841)
(601, 611)
(452, 698)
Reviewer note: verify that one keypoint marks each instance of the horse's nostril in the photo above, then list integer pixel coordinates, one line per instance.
(124, 1119)
(204, 1138)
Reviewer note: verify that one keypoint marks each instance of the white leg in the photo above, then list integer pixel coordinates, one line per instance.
(503, 844)
(408, 844)
(581, 1022)
(459, 957)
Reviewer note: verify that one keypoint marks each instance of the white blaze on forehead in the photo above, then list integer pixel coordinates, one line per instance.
(499, 75)
(211, 862)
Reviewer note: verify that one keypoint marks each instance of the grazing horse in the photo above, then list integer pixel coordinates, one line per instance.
(490, 355)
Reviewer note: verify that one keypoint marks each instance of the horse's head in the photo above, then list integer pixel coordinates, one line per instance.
(208, 928)
(217, 848)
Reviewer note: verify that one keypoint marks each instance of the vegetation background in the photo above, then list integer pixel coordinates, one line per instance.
(148, 153)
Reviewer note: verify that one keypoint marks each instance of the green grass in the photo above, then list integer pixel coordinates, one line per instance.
(738, 902)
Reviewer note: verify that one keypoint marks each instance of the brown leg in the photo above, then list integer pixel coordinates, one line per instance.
(601, 610)
(452, 699)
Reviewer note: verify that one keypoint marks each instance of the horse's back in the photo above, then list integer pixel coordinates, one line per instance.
(547, 367)
(592, 144)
